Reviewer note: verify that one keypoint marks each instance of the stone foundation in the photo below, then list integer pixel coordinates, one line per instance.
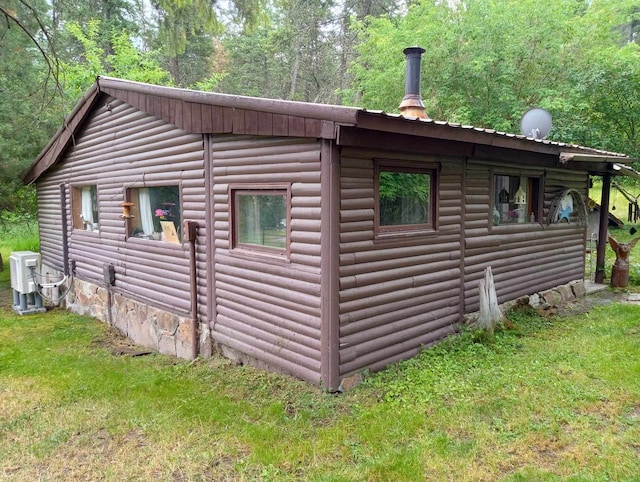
(159, 330)
(550, 298)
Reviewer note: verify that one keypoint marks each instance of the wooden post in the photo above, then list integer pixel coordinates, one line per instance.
(604, 228)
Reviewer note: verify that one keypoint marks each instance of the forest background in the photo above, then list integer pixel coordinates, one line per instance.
(486, 62)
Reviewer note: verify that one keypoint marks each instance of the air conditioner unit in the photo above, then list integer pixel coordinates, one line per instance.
(24, 266)
(21, 263)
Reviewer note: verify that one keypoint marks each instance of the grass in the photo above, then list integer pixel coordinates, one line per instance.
(19, 236)
(618, 204)
(552, 399)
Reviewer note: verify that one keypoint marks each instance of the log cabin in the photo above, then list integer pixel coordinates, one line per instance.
(316, 240)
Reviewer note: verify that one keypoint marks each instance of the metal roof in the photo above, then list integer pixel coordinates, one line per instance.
(352, 117)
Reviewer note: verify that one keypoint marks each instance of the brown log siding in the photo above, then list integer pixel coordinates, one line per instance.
(266, 308)
(524, 258)
(116, 150)
(395, 295)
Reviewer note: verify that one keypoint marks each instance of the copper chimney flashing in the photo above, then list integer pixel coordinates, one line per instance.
(411, 105)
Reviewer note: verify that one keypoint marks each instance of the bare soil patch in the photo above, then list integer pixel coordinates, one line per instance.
(586, 303)
(119, 345)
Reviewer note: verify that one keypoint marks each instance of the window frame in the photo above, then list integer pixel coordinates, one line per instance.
(410, 167)
(283, 189)
(76, 209)
(537, 209)
(135, 211)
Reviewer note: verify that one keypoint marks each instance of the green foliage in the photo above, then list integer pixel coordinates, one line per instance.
(82, 73)
(488, 62)
(612, 86)
(180, 20)
(481, 67)
(18, 233)
(110, 17)
(18, 223)
(130, 63)
(26, 120)
(210, 84)
(126, 61)
(251, 64)
(17, 199)
(298, 50)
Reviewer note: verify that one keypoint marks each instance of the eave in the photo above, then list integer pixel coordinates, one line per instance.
(64, 137)
(599, 164)
(207, 112)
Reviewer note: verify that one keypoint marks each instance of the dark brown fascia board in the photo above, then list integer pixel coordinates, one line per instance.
(63, 136)
(451, 132)
(479, 136)
(392, 141)
(456, 147)
(481, 146)
(341, 114)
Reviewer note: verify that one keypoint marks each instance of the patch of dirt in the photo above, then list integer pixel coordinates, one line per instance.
(119, 345)
(585, 303)
(6, 294)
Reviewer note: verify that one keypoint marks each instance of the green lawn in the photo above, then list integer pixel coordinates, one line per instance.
(553, 399)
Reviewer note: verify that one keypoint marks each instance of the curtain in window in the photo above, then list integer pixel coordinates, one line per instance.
(87, 205)
(146, 216)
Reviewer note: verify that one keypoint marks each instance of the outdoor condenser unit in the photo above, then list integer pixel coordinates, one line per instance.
(23, 266)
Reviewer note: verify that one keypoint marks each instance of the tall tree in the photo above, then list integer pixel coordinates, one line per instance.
(306, 38)
(126, 61)
(607, 76)
(291, 54)
(27, 64)
(487, 62)
(353, 14)
(186, 35)
(181, 24)
(109, 17)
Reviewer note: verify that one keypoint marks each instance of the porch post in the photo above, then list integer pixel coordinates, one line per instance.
(604, 228)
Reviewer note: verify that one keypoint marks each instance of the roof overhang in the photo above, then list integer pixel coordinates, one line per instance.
(326, 121)
(64, 137)
(601, 164)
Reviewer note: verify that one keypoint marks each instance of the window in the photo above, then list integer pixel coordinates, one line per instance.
(260, 219)
(516, 199)
(405, 198)
(155, 213)
(85, 208)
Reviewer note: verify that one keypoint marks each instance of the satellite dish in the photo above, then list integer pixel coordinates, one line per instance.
(536, 123)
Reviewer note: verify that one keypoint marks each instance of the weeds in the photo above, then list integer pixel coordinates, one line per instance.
(454, 368)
